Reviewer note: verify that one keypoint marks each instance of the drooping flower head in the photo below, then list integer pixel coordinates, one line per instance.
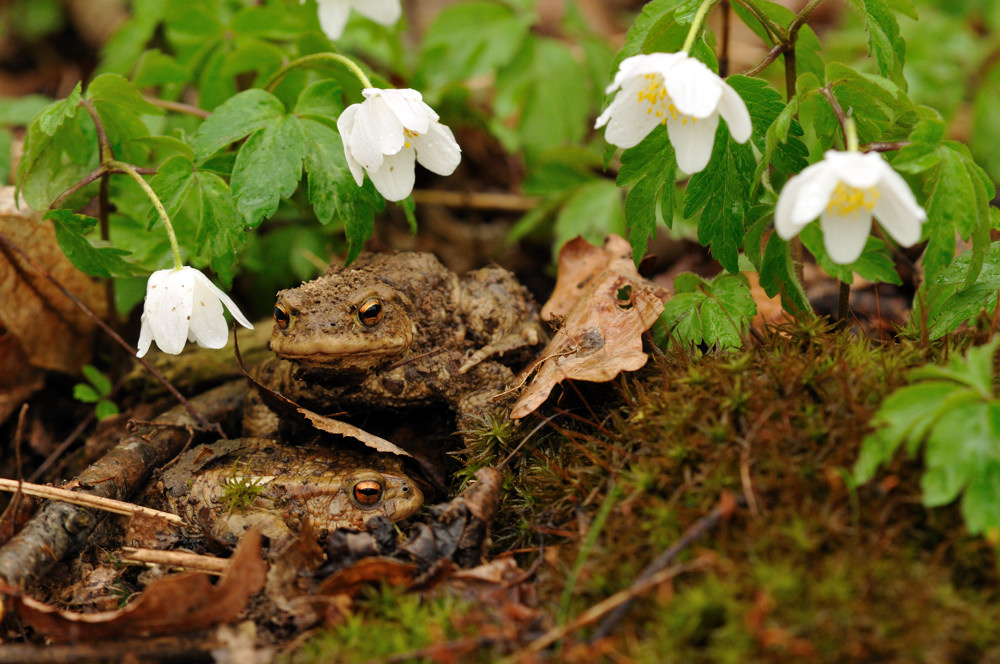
(183, 305)
(680, 92)
(333, 13)
(385, 133)
(845, 190)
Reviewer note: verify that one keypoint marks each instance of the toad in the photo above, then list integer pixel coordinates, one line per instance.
(399, 329)
(233, 485)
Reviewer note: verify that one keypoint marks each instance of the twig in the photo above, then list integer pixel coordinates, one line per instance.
(85, 500)
(178, 107)
(177, 559)
(620, 598)
(202, 422)
(727, 505)
(843, 303)
(478, 200)
(884, 147)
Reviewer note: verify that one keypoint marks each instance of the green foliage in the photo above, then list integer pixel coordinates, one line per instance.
(101, 261)
(952, 414)
(714, 312)
(97, 390)
(649, 169)
(949, 301)
(240, 491)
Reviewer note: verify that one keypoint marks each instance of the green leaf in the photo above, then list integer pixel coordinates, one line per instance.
(955, 413)
(884, 40)
(323, 99)
(541, 91)
(661, 26)
(105, 409)
(268, 168)
(101, 383)
(19, 111)
(122, 50)
(237, 118)
(592, 211)
(719, 196)
(875, 264)
(332, 190)
(470, 38)
(71, 230)
(650, 168)
(202, 200)
(777, 275)
(85, 393)
(713, 312)
(117, 90)
(52, 117)
(156, 69)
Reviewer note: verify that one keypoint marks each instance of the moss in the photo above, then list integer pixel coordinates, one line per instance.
(813, 569)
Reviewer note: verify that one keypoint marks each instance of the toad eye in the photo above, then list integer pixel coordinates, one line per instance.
(367, 492)
(281, 316)
(370, 312)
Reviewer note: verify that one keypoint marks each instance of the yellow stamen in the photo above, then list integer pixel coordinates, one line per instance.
(847, 200)
(660, 103)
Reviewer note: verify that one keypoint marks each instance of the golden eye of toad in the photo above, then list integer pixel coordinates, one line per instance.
(367, 492)
(281, 316)
(370, 312)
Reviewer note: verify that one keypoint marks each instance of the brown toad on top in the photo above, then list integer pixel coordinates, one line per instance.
(399, 329)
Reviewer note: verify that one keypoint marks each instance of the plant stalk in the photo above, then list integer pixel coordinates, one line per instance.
(314, 60)
(699, 18)
(129, 170)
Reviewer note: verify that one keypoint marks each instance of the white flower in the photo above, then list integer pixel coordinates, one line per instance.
(183, 305)
(676, 90)
(333, 13)
(382, 133)
(845, 190)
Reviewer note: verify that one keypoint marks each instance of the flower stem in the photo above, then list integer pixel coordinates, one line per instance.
(129, 170)
(850, 134)
(699, 18)
(317, 59)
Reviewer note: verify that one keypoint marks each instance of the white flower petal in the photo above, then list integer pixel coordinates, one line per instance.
(169, 294)
(410, 109)
(693, 140)
(385, 126)
(201, 281)
(363, 139)
(637, 66)
(437, 150)
(898, 211)
(385, 12)
(784, 225)
(145, 337)
(734, 111)
(208, 325)
(394, 180)
(856, 169)
(629, 120)
(813, 194)
(333, 17)
(845, 237)
(345, 125)
(694, 88)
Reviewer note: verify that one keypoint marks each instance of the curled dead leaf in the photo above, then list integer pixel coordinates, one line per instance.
(604, 306)
(52, 331)
(169, 605)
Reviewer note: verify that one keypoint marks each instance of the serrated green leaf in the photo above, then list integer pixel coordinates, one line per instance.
(323, 99)
(884, 40)
(712, 312)
(268, 168)
(661, 26)
(719, 196)
(96, 261)
(237, 118)
(156, 69)
(116, 89)
(52, 117)
(332, 190)
(650, 168)
(777, 275)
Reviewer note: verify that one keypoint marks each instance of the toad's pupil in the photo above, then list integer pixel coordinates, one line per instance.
(370, 312)
(280, 316)
(367, 492)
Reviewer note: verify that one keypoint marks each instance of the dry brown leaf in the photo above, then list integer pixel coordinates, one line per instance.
(53, 332)
(169, 605)
(285, 407)
(604, 306)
